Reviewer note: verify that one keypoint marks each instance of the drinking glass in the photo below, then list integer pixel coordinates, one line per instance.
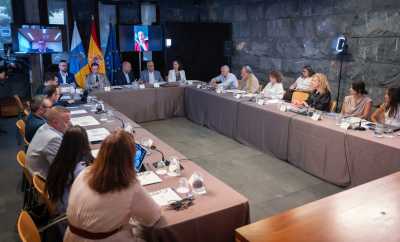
(389, 133)
(197, 183)
(183, 186)
(379, 129)
(147, 143)
(174, 168)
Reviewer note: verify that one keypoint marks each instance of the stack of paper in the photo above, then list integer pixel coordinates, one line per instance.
(96, 135)
(165, 196)
(84, 121)
(147, 178)
(79, 111)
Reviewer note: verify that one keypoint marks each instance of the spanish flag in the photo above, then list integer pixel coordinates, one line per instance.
(78, 64)
(94, 54)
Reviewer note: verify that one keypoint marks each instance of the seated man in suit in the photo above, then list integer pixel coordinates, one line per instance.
(47, 141)
(39, 106)
(150, 75)
(63, 75)
(125, 76)
(96, 80)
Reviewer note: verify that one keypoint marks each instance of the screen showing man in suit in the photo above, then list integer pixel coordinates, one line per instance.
(37, 39)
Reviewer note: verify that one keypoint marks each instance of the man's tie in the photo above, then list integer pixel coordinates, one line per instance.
(97, 79)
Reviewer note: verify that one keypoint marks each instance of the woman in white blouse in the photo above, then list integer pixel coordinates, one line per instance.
(274, 88)
(389, 112)
(176, 74)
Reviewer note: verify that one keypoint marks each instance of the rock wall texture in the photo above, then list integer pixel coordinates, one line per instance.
(287, 34)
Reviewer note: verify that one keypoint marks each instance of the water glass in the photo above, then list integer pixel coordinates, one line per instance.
(174, 168)
(197, 183)
(389, 133)
(183, 186)
(147, 143)
(339, 119)
(379, 130)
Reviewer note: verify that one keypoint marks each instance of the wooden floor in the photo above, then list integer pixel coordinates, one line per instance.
(367, 213)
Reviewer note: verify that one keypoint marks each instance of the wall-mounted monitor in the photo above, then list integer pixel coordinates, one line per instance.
(140, 38)
(38, 39)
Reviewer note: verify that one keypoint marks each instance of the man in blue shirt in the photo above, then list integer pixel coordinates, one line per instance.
(35, 119)
(227, 80)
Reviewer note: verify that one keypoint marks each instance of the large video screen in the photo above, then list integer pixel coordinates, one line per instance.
(38, 39)
(140, 38)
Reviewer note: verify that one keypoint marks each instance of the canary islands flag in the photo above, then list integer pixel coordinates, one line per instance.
(78, 64)
(94, 54)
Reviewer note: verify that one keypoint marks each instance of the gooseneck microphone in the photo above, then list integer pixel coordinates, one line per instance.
(153, 147)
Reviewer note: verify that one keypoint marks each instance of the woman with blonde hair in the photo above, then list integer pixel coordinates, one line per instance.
(320, 98)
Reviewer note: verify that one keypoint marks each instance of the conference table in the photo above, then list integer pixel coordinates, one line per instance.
(367, 213)
(321, 148)
(211, 218)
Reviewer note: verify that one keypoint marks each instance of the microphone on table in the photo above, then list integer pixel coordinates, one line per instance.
(166, 162)
(153, 147)
(359, 128)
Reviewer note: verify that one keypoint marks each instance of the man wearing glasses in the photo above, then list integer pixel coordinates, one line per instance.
(36, 118)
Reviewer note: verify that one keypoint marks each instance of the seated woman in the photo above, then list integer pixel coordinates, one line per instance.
(176, 74)
(320, 98)
(389, 112)
(72, 157)
(274, 88)
(106, 195)
(357, 104)
(302, 83)
(249, 81)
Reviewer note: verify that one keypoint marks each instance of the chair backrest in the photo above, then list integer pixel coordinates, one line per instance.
(40, 185)
(21, 127)
(300, 96)
(332, 107)
(27, 230)
(21, 159)
(21, 105)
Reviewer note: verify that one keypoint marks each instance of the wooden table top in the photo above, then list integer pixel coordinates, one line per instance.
(370, 212)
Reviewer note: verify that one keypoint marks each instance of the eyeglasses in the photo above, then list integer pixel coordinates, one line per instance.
(182, 204)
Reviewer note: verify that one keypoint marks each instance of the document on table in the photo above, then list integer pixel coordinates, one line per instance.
(84, 121)
(79, 111)
(165, 196)
(147, 178)
(98, 134)
(95, 152)
(235, 91)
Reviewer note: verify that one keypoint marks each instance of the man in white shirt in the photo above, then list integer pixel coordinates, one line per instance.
(47, 140)
(151, 75)
(227, 80)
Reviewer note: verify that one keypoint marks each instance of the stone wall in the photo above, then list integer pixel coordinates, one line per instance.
(287, 34)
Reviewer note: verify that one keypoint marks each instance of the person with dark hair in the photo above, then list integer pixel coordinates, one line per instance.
(125, 76)
(176, 74)
(36, 118)
(249, 81)
(96, 80)
(72, 157)
(92, 210)
(52, 93)
(49, 79)
(47, 140)
(63, 75)
(274, 88)
(357, 104)
(389, 112)
(303, 83)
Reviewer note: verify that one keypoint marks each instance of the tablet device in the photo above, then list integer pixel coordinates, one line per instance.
(139, 157)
